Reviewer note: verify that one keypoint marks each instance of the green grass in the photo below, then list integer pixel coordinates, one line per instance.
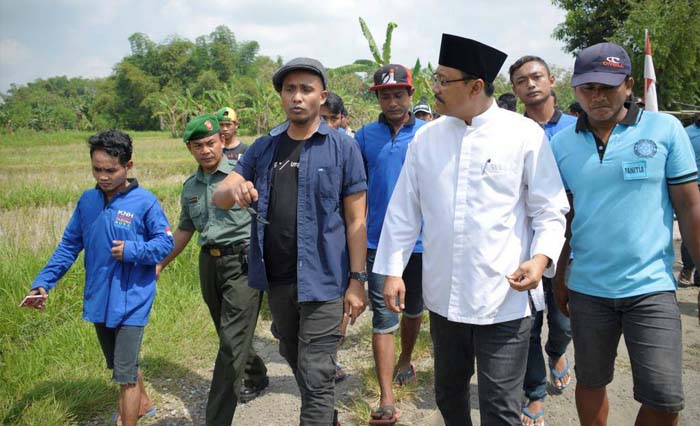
(366, 398)
(51, 368)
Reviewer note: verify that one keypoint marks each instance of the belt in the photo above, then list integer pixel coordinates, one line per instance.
(218, 251)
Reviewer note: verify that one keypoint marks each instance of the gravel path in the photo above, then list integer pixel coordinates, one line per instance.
(182, 401)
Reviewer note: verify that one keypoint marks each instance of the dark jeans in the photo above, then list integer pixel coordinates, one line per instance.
(559, 337)
(500, 351)
(121, 347)
(234, 309)
(651, 326)
(309, 334)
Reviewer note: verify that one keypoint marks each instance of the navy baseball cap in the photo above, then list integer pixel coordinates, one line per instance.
(604, 63)
(306, 64)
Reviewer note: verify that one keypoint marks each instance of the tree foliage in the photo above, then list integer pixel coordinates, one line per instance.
(674, 28)
(675, 35)
(589, 22)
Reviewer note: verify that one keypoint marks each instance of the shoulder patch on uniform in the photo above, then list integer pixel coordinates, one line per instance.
(188, 179)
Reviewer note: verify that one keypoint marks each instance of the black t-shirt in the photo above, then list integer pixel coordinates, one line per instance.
(234, 154)
(281, 233)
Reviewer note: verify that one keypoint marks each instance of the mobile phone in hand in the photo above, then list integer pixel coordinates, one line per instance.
(32, 301)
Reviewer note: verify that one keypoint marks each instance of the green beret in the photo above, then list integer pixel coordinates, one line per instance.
(201, 127)
(226, 114)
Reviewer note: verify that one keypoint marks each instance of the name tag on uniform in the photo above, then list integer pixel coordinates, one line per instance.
(634, 170)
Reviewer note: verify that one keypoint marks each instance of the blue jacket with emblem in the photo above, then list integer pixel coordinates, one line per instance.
(116, 292)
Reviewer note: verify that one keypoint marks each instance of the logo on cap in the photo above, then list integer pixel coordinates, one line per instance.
(388, 77)
(208, 125)
(613, 61)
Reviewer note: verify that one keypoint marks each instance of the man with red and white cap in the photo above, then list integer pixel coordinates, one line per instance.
(383, 144)
(482, 185)
(626, 171)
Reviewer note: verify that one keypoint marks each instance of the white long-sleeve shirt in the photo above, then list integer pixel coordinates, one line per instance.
(489, 196)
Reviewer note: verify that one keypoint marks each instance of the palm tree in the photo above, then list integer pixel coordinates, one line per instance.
(370, 65)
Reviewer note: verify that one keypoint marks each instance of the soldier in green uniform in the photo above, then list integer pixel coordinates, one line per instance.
(223, 274)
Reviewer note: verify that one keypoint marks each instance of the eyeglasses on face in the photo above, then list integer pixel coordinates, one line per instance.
(442, 82)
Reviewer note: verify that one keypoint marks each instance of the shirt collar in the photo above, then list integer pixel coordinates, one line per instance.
(322, 128)
(132, 184)
(485, 116)
(633, 113)
(224, 167)
(411, 119)
(554, 119)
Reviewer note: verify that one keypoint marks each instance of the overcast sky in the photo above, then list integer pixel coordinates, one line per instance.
(40, 39)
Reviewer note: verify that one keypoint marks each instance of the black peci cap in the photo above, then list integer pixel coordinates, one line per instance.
(470, 56)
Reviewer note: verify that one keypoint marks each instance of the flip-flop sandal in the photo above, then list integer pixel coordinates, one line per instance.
(149, 413)
(559, 375)
(340, 374)
(384, 415)
(685, 276)
(405, 377)
(534, 417)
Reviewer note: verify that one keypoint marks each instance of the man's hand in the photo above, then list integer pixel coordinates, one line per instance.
(118, 249)
(394, 288)
(528, 274)
(245, 194)
(159, 268)
(41, 303)
(354, 301)
(561, 294)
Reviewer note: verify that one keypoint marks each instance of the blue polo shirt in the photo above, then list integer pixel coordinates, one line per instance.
(557, 123)
(383, 152)
(330, 168)
(694, 134)
(622, 231)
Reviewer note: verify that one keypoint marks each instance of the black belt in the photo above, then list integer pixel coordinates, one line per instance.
(230, 250)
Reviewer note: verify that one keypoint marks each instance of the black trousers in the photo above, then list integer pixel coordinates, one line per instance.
(234, 309)
(500, 351)
(309, 334)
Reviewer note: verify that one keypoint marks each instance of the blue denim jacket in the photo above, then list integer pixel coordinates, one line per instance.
(330, 168)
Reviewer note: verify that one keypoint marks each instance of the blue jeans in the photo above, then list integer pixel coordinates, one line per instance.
(535, 385)
(385, 321)
(500, 351)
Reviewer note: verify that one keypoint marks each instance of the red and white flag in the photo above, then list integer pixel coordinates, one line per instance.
(650, 102)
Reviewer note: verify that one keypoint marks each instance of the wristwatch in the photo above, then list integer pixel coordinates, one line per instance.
(359, 276)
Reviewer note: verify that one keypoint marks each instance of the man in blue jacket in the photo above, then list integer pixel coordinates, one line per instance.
(305, 185)
(383, 144)
(125, 233)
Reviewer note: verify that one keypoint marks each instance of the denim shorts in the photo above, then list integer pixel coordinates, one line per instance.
(383, 320)
(651, 325)
(121, 347)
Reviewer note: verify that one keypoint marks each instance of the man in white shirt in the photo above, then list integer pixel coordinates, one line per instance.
(483, 183)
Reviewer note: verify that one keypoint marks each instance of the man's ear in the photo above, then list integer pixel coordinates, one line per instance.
(479, 86)
(129, 165)
(324, 96)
